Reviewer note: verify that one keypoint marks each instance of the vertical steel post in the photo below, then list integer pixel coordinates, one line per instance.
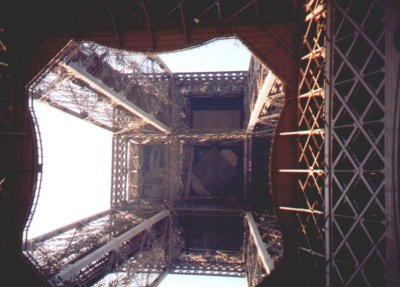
(119, 170)
(392, 87)
(247, 146)
(327, 145)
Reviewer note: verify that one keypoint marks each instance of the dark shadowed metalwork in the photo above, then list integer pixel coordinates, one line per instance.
(334, 160)
(360, 190)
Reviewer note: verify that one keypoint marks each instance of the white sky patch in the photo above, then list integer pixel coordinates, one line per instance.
(218, 55)
(76, 170)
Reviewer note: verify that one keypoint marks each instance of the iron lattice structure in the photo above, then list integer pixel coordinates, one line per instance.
(310, 142)
(360, 202)
(161, 160)
(297, 157)
(359, 198)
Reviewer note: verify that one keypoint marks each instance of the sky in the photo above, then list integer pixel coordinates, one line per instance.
(76, 170)
(77, 156)
(218, 55)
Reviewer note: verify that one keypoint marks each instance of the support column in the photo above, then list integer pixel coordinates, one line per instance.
(247, 171)
(119, 170)
(392, 141)
(363, 69)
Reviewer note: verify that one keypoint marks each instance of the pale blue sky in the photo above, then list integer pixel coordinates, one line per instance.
(218, 55)
(77, 156)
(76, 170)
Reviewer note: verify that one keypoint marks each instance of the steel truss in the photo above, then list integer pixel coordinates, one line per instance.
(107, 87)
(121, 247)
(176, 153)
(359, 116)
(140, 259)
(263, 248)
(211, 83)
(57, 250)
(310, 145)
(266, 99)
(269, 230)
(255, 271)
(352, 154)
(306, 174)
(297, 175)
(133, 173)
(204, 207)
(213, 263)
(119, 174)
(247, 169)
(198, 137)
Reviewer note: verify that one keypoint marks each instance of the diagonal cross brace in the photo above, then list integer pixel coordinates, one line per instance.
(262, 252)
(262, 99)
(115, 97)
(71, 271)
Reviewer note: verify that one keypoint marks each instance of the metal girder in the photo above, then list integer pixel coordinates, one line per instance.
(268, 227)
(247, 169)
(203, 136)
(175, 158)
(114, 96)
(209, 262)
(144, 260)
(261, 248)
(119, 174)
(68, 273)
(134, 171)
(361, 97)
(47, 252)
(200, 83)
(298, 167)
(73, 96)
(70, 226)
(262, 100)
(197, 207)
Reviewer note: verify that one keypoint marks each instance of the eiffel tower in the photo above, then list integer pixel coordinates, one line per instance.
(333, 161)
(181, 168)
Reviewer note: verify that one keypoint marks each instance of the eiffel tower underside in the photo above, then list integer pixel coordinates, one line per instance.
(331, 168)
(181, 166)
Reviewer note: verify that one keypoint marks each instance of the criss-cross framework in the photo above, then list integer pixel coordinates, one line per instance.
(162, 155)
(310, 142)
(358, 102)
(358, 199)
(297, 174)
(106, 233)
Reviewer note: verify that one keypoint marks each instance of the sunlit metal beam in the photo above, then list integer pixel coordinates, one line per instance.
(262, 99)
(115, 97)
(70, 226)
(262, 251)
(68, 273)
